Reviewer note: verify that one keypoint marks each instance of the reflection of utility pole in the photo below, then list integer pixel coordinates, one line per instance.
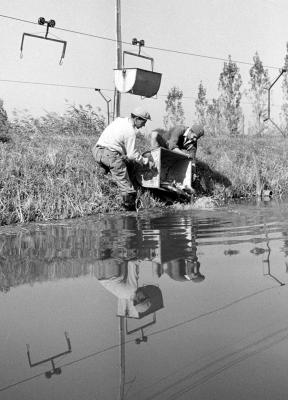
(55, 370)
(122, 357)
(123, 383)
(119, 52)
(107, 103)
(144, 338)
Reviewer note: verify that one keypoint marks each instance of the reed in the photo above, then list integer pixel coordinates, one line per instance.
(251, 165)
(47, 171)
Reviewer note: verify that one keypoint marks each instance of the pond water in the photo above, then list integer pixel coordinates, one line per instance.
(184, 305)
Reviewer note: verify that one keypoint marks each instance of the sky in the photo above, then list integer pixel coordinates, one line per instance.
(188, 40)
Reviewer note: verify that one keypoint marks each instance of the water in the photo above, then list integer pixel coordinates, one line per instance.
(189, 305)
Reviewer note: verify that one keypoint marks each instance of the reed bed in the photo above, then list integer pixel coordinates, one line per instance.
(47, 171)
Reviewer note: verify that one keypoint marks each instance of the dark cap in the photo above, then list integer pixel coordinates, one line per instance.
(197, 129)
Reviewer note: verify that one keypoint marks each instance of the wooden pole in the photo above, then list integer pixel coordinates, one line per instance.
(119, 52)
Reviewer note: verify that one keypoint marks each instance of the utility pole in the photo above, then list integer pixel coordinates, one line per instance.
(119, 51)
(117, 104)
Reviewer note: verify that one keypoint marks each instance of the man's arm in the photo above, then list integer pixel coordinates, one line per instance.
(132, 153)
(176, 134)
(177, 150)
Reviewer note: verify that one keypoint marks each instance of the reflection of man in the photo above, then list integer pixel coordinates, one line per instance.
(184, 270)
(133, 301)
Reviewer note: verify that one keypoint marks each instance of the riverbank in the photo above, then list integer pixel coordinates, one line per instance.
(47, 173)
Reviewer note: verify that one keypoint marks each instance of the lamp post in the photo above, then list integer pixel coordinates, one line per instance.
(282, 71)
(107, 103)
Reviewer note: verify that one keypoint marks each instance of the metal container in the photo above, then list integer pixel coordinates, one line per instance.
(137, 81)
(172, 170)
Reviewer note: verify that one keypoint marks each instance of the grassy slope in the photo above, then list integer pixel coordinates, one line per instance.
(251, 164)
(48, 173)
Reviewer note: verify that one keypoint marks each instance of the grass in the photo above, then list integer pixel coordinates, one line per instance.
(47, 171)
(251, 164)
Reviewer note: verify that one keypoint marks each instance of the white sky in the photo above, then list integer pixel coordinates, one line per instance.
(213, 28)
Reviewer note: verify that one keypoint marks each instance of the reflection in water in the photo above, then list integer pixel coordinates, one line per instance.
(133, 301)
(231, 252)
(55, 370)
(149, 264)
(56, 252)
(267, 261)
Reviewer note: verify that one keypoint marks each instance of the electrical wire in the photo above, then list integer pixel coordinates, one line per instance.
(156, 333)
(53, 84)
(102, 89)
(123, 42)
(187, 53)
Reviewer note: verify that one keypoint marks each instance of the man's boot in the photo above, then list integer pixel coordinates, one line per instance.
(129, 201)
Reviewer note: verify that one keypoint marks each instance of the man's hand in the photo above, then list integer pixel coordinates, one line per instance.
(125, 159)
(194, 172)
(190, 156)
(152, 164)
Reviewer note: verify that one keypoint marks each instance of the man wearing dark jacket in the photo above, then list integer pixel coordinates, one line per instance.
(181, 139)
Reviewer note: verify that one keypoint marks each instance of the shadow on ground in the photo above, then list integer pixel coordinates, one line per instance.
(208, 178)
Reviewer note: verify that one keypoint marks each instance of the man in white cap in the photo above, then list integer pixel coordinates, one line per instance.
(116, 146)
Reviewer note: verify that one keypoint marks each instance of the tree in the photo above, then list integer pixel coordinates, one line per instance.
(259, 83)
(201, 105)
(230, 82)
(214, 120)
(174, 108)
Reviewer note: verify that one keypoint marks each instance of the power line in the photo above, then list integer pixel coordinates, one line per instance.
(103, 89)
(207, 57)
(155, 333)
(60, 29)
(52, 84)
(187, 53)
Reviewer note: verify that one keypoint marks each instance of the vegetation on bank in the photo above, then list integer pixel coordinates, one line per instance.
(47, 170)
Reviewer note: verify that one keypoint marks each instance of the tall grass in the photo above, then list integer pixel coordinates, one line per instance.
(251, 164)
(47, 170)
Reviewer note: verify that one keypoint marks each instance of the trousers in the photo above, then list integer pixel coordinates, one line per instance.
(112, 162)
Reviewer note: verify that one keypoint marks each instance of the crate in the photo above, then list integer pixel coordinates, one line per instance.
(172, 169)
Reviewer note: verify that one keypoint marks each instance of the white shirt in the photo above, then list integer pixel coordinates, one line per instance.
(125, 291)
(120, 136)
